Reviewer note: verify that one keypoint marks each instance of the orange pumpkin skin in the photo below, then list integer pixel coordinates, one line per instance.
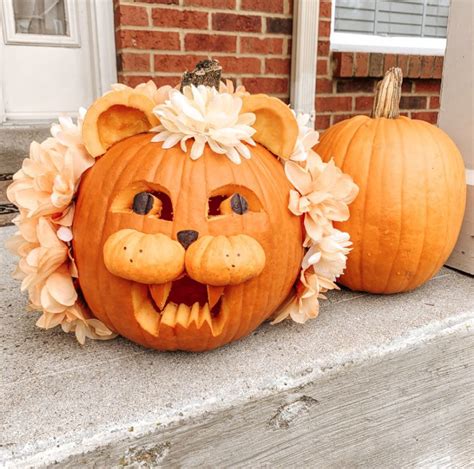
(408, 214)
(189, 184)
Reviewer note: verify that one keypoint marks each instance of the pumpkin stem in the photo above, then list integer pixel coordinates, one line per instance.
(207, 72)
(388, 94)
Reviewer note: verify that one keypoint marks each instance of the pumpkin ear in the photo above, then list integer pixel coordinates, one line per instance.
(116, 115)
(276, 126)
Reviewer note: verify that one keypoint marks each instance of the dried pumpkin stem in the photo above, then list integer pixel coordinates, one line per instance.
(207, 72)
(387, 95)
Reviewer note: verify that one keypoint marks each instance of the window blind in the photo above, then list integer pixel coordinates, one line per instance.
(419, 18)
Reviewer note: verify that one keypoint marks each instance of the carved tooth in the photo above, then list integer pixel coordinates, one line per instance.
(160, 293)
(205, 316)
(168, 315)
(194, 316)
(182, 315)
(213, 295)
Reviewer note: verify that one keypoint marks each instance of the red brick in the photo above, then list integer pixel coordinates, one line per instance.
(413, 102)
(256, 45)
(364, 103)
(171, 18)
(278, 66)
(403, 64)
(322, 122)
(129, 62)
(322, 68)
(210, 42)
(390, 60)
(434, 102)
(271, 6)
(342, 117)
(333, 103)
(131, 15)
(228, 22)
(279, 25)
(428, 86)
(325, 10)
(361, 64)
(134, 80)
(355, 85)
(414, 66)
(324, 28)
(376, 65)
(266, 85)
(438, 67)
(431, 117)
(407, 86)
(161, 2)
(323, 48)
(164, 80)
(343, 64)
(323, 85)
(240, 65)
(427, 65)
(176, 63)
(149, 39)
(222, 4)
(288, 47)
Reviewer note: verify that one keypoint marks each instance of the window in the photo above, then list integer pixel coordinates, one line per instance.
(409, 26)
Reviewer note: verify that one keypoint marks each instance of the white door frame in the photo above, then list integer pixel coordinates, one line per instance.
(103, 53)
(304, 57)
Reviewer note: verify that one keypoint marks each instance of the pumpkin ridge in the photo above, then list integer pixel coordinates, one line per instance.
(441, 254)
(101, 230)
(260, 163)
(402, 198)
(128, 157)
(425, 186)
(349, 143)
(257, 163)
(369, 167)
(335, 140)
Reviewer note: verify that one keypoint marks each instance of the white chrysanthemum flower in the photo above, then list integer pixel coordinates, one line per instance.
(307, 138)
(207, 116)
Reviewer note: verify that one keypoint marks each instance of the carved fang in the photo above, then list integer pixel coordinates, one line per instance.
(213, 295)
(160, 293)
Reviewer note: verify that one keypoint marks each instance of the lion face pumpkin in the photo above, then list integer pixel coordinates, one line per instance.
(180, 254)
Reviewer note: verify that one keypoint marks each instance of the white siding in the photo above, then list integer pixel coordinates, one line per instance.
(419, 18)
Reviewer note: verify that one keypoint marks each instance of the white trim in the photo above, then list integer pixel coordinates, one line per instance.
(2, 79)
(103, 57)
(470, 177)
(22, 117)
(73, 39)
(350, 42)
(304, 57)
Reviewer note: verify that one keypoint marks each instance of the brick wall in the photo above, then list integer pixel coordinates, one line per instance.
(346, 81)
(160, 39)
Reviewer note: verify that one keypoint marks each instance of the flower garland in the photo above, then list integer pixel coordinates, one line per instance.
(44, 190)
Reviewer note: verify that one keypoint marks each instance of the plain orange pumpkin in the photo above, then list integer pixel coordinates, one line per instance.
(407, 216)
(194, 190)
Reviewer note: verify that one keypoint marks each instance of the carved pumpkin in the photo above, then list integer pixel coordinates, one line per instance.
(407, 217)
(180, 254)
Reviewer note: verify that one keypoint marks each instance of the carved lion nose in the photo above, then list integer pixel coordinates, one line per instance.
(187, 237)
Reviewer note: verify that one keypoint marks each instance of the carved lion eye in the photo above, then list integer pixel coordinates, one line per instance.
(239, 204)
(232, 199)
(153, 203)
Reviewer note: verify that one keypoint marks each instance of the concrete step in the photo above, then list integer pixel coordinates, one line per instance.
(14, 147)
(375, 381)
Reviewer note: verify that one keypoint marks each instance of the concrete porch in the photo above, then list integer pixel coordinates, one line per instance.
(373, 382)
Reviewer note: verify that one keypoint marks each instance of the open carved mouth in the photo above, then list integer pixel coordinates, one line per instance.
(183, 301)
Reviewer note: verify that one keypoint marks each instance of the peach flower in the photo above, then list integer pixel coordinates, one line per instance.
(158, 95)
(322, 194)
(44, 190)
